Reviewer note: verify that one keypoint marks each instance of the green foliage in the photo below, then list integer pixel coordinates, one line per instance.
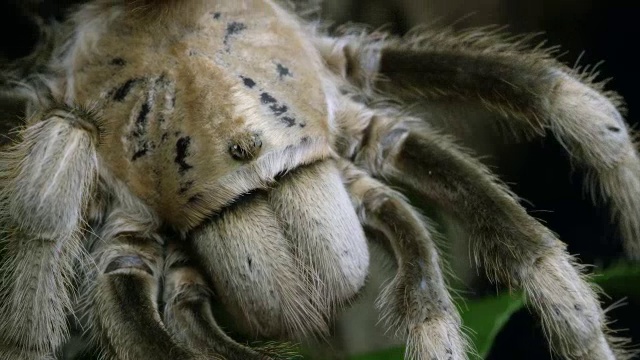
(484, 318)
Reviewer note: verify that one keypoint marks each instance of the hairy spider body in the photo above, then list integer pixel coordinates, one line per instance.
(191, 146)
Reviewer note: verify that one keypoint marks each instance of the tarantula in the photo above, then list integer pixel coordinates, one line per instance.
(177, 153)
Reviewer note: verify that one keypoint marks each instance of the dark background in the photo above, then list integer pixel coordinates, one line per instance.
(599, 30)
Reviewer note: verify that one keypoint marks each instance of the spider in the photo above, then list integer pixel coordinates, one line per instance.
(176, 154)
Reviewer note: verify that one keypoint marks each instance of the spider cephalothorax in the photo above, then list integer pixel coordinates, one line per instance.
(191, 146)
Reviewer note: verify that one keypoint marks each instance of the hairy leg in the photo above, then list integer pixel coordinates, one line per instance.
(45, 182)
(512, 246)
(531, 91)
(416, 303)
(120, 304)
(188, 315)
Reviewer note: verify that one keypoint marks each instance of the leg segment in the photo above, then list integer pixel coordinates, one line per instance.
(45, 183)
(325, 234)
(188, 316)
(528, 88)
(255, 274)
(416, 302)
(121, 301)
(512, 246)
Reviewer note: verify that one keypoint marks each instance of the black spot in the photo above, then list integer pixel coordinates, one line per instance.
(182, 151)
(613, 128)
(302, 125)
(195, 199)
(185, 186)
(140, 153)
(121, 92)
(141, 120)
(288, 120)
(305, 140)
(265, 98)
(249, 262)
(164, 137)
(283, 71)
(216, 15)
(118, 61)
(233, 28)
(248, 82)
(278, 110)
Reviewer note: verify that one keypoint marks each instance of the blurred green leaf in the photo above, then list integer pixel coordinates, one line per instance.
(484, 318)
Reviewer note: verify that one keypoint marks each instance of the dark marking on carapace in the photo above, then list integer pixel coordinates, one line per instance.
(185, 186)
(302, 125)
(141, 152)
(283, 71)
(216, 15)
(164, 137)
(195, 199)
(250, 263)
(233, 28)
(118, 61)
(120, 93)
(248, 82)
(182, 151)
(266, 98)
(276, 108)
(288, 120)
(141, 120)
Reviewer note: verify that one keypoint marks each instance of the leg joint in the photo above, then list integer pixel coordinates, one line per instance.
(126, 262)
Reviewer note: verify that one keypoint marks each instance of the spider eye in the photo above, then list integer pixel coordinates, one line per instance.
(245, 146)
(237, 152)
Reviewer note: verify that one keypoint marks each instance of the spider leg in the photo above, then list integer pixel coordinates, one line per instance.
(416, 302)
(120, 304)
(188, 315)
(512, 246)
(46, 180)
(529, 90)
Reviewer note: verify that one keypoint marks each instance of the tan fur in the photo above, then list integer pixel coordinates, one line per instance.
(193, 81)
(46, 181)
(229, 146)
(261, 283)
